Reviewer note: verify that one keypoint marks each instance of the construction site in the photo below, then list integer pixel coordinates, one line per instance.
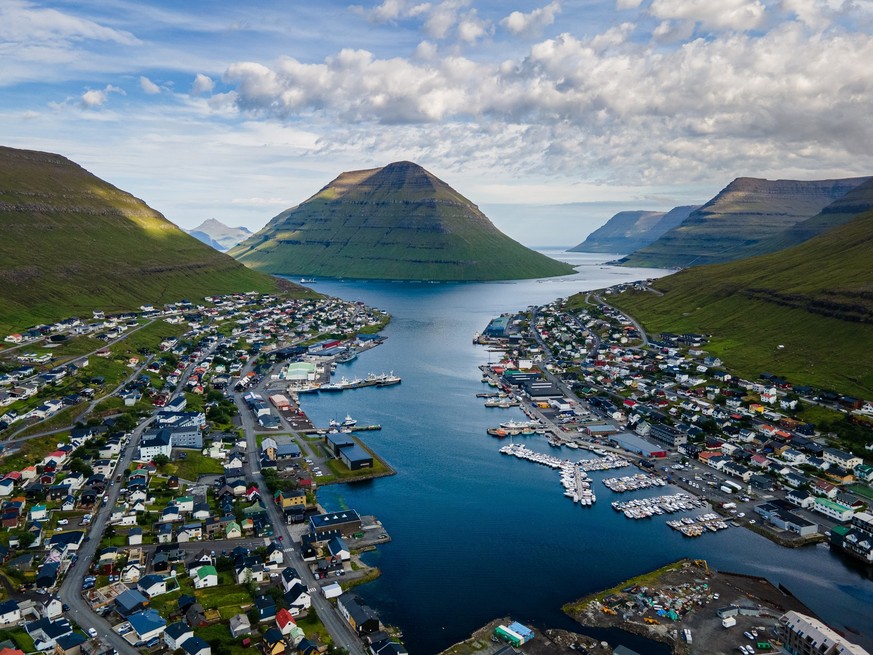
(694, 609)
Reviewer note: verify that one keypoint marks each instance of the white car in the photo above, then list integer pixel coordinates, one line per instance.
(92, 632)
(63, 521)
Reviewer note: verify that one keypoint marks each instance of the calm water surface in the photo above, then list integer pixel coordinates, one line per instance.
(478, 535)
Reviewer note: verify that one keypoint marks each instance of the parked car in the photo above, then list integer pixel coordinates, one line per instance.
(63, 521)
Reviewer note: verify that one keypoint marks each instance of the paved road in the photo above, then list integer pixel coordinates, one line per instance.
(79, 417)
(643, 336)
(339, 630)
(70, 590)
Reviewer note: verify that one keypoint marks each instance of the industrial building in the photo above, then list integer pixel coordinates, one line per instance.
(346, 522)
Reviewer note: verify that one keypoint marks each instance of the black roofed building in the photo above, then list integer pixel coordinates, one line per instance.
(345, 523)
(360, 616)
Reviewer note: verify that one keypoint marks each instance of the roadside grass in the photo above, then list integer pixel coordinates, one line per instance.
(862, 490)
(63, 419)
(313, 627)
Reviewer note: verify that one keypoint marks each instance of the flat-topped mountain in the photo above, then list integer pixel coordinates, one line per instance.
(398, 222)
(744, 216)
(70, 243)
(631, 230)
(217, 235)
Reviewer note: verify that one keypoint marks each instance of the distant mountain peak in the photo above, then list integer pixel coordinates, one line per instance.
(217, 235)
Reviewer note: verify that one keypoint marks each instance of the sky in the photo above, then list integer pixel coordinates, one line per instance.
(551, 116)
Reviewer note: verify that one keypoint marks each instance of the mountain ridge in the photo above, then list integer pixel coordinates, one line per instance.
(71, 242)
(628, 231)
(396, 222)
(740, 220)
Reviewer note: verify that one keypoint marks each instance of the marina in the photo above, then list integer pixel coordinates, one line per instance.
(573, 477)
(697, 525)
(633, 482)
(643, 508)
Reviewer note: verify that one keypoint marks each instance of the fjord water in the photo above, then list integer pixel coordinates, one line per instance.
(478, 535)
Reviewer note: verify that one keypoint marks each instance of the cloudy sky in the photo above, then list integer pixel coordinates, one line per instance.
(549, 115)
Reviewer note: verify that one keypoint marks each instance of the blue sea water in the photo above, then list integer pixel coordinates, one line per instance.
(478, 535)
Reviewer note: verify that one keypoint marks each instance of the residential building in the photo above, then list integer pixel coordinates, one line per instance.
(805, 635)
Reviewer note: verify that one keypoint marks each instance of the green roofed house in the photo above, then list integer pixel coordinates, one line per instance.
(205, 576)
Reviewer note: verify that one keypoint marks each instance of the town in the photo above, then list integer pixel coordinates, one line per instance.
(153, 500)
(589, 378)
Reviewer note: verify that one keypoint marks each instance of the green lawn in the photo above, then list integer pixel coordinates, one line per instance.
(32, 451)
(193, 466)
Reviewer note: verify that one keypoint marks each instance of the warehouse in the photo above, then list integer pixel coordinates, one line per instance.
(355, 457)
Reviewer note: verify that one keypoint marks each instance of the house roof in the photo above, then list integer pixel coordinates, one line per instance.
(205, 571)
(194, 645)
(145, 621)
(283, 618)
(177, 629)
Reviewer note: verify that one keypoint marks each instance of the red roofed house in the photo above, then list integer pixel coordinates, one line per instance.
(284, 621)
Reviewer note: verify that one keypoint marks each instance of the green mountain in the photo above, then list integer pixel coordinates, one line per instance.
(217, 235)
(398, 222)
(631, 230)
(70, 243)
(805, 312)
(744, 216)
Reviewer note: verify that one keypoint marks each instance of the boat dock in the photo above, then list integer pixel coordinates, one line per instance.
(573, 477)
(633, 482)
(372, 380)
(643, 508)
(697, 525)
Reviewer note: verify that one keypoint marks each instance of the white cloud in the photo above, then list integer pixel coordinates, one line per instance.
(443, 17)
(532, 23)
(606, 105)
(23, 22)
(720, 15)
(202, 84)
(471, 28)
(97, 97)
(148, 86)
(426, 50)
(392, 10)
(627, 4)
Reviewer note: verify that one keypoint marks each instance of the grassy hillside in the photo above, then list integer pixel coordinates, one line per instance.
(815, 300)
(70, 243)
(398, 222)
(744, 216)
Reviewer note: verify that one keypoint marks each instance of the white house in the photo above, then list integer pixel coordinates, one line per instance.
(176, 634)
(10, 613)
(205, 576)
